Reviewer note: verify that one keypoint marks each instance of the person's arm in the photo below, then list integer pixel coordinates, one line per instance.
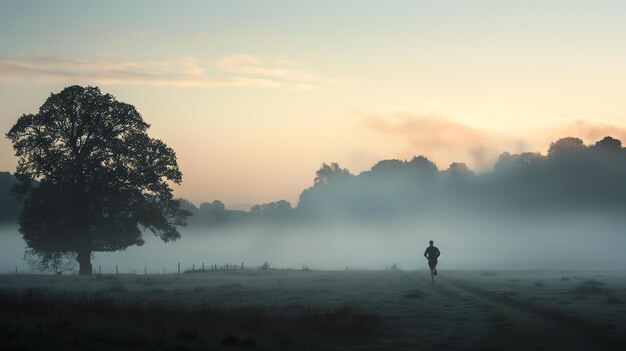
(438, 253)
(425, 253)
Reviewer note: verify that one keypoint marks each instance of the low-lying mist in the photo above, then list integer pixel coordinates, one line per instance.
(563, 210)
(572, 241)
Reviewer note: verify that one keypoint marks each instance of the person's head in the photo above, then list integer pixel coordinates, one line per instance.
(431, 243)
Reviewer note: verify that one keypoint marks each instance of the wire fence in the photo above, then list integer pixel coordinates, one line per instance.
(178, 269)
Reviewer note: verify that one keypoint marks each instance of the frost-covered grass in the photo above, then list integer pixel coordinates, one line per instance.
(307, 309)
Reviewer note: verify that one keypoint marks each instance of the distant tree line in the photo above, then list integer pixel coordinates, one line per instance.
(571, 176)
(215, 213)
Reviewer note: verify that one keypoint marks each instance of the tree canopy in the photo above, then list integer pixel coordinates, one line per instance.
(275, 208)
(570, 177)
(101, 178)
(329, 173)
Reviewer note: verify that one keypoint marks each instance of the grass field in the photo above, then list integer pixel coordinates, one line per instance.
(316, 310)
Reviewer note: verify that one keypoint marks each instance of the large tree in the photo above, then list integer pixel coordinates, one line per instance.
(91, 178)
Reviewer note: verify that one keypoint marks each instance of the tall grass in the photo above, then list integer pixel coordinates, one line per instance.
(97, 321)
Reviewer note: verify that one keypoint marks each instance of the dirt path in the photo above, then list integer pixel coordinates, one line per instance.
(467, 317)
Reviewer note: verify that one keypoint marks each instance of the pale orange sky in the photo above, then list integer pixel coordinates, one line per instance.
(254, 97)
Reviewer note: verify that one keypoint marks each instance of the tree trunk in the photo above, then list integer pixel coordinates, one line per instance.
(84, 262)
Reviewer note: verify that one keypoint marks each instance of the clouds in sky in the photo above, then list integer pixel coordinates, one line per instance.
(595, 130)
(445, 140)
(251, 65)
(230, 71)
(440, 138)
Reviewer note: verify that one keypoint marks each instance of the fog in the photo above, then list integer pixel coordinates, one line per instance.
(559, 211)
(569, 241)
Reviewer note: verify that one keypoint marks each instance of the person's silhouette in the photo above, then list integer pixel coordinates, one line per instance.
(431, 254)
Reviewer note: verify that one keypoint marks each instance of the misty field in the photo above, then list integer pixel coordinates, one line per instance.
(316, 310)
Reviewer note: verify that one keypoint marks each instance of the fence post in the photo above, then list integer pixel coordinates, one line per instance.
(116, 271)
(178, 267)
(145, 271)
(193, 267)
(242, 265)
(203, 266)
(99, 269)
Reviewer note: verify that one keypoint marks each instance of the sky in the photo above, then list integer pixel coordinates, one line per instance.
(255, 95)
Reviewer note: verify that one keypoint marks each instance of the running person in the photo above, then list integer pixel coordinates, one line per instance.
(432, 253)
